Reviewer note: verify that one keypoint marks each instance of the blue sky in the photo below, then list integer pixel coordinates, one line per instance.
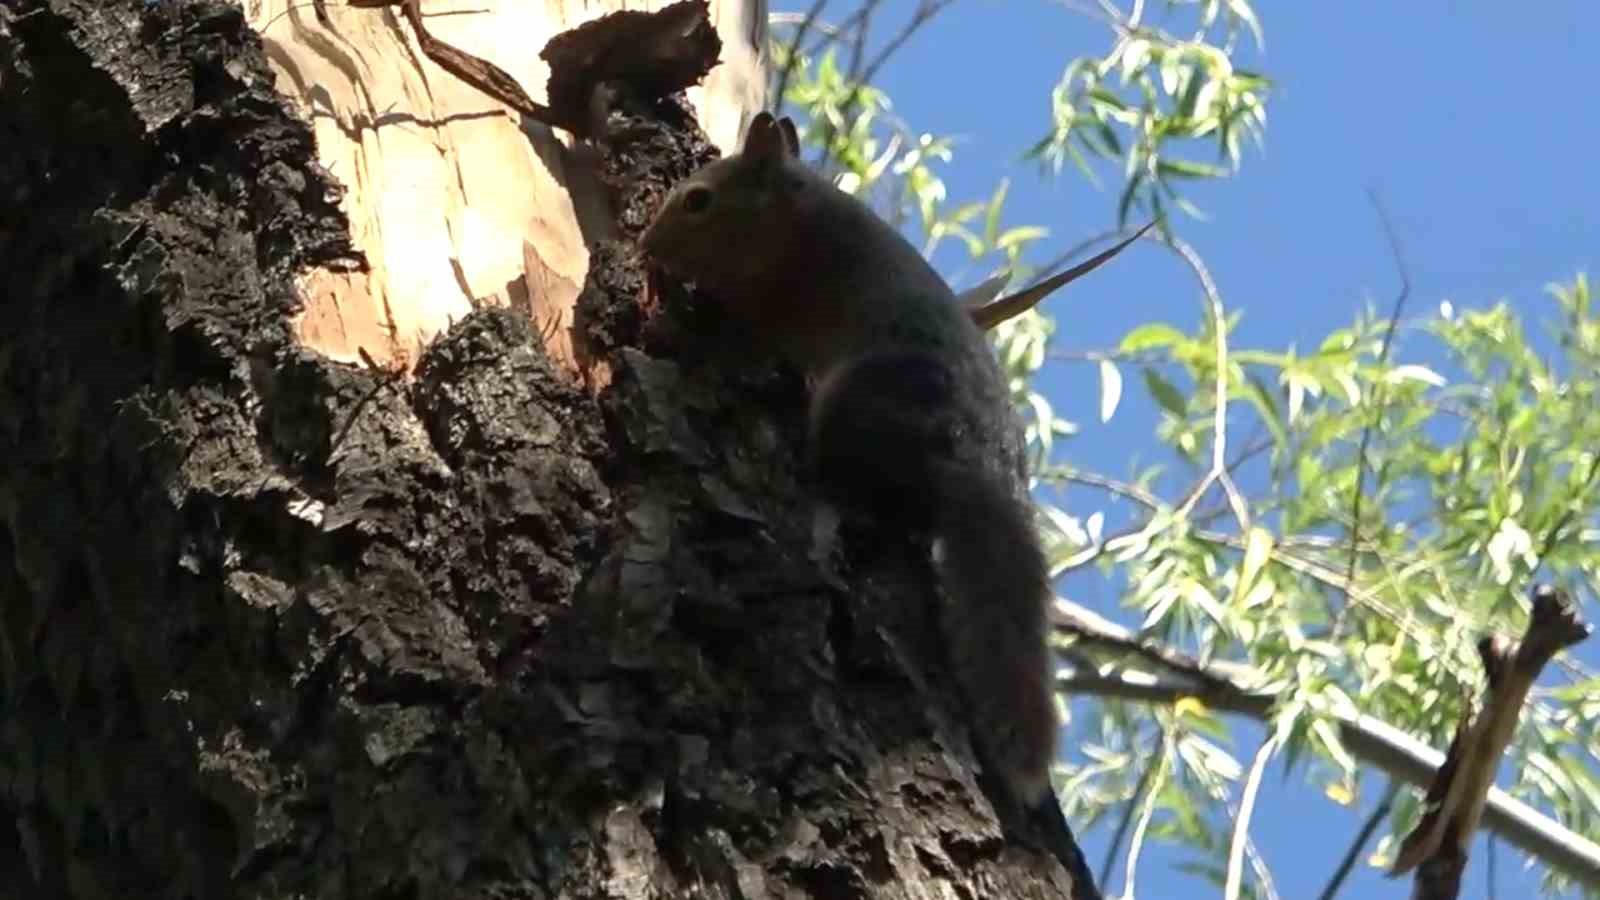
(1477, 123)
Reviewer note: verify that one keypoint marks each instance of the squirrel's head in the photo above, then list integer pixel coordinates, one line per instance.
(722, 226)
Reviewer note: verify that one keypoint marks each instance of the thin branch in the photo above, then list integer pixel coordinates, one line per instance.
(1136, 15)
(1369, 739)
(385, 378)
(1112, 13)
(926, 10)
(1219, 792)
(991, 314)
(1137, 845)
(1377, 400)
(794, 51)
(925, 13)
(858, 43)
(1139, 791)
(1094, 631)
(1111, 485)
(1241, 822)
(320, 9)
(1219, 472)
(1073, 252)
(1348, 863)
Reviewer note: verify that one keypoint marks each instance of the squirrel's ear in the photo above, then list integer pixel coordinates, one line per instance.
(791, 137)
(764, 140)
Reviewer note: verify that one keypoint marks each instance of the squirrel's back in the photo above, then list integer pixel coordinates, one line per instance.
(910, 412)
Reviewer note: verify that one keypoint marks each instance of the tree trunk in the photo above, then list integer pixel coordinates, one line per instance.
(277, 625)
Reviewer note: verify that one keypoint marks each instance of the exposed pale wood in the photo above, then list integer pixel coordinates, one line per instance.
(453, 201)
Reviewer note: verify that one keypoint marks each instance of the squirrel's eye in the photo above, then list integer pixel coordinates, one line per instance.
(697, 200)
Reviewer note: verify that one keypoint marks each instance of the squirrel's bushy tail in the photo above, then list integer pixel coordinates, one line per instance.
(892, 430)
(995, 624)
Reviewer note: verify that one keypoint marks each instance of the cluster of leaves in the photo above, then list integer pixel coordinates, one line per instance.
(874, 156)
(1480, 472)
(1154, 94)
(1468, 443)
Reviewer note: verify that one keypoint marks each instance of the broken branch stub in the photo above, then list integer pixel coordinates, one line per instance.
(645, 54)
(1437, 846)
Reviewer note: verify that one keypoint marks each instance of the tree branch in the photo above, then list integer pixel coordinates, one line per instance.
(1437, 846)
(1377, 401)
(1357, 845)
(1241, 823)
(1222, 686)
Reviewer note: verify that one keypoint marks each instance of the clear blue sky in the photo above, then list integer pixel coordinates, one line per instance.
(1477, 122)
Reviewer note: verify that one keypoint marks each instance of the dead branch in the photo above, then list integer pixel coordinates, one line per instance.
(989, 314)
(1437, 846)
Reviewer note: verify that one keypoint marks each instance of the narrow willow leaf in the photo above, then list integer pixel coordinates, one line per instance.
(1164, 393)
(1329, 738)
(1110, 389)
(1414, 373)
(1257, 550)
(1150, 336)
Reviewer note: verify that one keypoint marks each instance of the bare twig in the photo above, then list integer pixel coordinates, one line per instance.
(1219, 432)
(476, 71)
(1136, 846)
(925, 12)
(1146, 779)
(319, 8)
(1241, 822)
(1115, 486)
(1377, 400)
(386, 377)
(1135, 15)
(794, 51)
(1219, 792)
(858, 41)
(1348, 863)
(992, 314)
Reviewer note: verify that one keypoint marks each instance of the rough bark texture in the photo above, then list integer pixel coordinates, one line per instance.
(275, 626)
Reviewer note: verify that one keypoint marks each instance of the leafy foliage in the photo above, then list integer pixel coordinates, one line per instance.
(1153, 94)
(1471, 445)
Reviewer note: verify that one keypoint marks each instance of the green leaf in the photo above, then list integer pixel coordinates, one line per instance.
(1267, 406)
(1241, 9)
(1022, 234)
(1191, 92)
(991, 222)
(1170, 398)
(1104, 97)
(1128, 193)
(1329, 738)
(1184, 168)
(1414, 373)
(1257, 550)
(1150, 336)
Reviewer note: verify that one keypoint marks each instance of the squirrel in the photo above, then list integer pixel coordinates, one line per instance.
(909, 413)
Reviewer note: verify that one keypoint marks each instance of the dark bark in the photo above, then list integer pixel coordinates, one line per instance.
(278, 627)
